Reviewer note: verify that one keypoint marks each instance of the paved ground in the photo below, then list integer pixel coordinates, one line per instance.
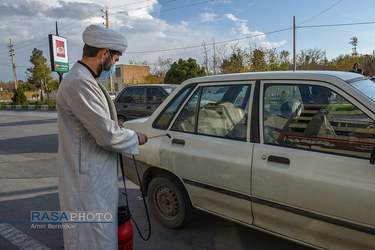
(28, 182)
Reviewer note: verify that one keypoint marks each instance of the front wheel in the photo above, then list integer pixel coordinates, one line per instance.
(169, 201)
(121, 120)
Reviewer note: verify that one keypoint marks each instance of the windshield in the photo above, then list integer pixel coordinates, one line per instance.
(367, 87)
(170, 89)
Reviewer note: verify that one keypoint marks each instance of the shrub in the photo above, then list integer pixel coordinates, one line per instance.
(19, 97)
(49, 102)
(46, 102)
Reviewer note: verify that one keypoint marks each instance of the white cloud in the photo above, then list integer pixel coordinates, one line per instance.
(231, 17)
(244, 29)
(209, 17)
(270, 45)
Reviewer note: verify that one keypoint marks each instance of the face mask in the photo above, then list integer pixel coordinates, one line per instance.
(107, 73)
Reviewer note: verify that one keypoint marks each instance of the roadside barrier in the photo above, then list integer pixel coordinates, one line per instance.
(44, 107)
(28, 107)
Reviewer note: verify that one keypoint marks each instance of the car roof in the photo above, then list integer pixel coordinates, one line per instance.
(282, 75)
(152, 85)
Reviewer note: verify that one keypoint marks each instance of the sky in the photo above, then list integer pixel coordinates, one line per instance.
(176, 28)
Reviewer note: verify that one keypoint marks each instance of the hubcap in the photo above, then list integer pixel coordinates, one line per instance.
(167, 202)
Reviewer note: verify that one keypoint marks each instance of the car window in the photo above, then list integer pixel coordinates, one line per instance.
(122, 95)
(134, 95)
(163, 121)
(367, 87)
(216, 110)
(324, 121)
(155, 96)
(186, 119)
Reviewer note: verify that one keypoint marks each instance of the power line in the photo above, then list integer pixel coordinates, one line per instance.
(334, 25)
(5, 65)
(197, 46)
(248, 37)
(25, 44)
(322, 12)
(84, 23)
(83, 18)
(116, 7)
(179, 7)
(121, 12)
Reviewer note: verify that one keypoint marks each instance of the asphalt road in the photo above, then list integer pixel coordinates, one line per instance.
(28, 182)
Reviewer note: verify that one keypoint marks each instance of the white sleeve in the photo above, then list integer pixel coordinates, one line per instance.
(89, 106)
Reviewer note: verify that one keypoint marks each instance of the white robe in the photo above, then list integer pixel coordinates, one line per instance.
(87, 163)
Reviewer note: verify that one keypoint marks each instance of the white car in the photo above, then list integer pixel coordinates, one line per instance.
(289, 153)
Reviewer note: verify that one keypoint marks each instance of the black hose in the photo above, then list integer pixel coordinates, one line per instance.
(143, 197)
(144, 202)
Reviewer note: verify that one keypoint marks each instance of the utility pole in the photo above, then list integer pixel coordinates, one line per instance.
(14, 65)
(294, 43)
(107, 26)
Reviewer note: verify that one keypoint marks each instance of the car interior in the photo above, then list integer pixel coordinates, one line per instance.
(222, 112)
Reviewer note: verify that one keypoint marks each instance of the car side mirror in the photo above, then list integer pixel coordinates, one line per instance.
(372, 156)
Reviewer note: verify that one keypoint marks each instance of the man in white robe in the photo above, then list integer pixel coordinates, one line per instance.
(89, 140)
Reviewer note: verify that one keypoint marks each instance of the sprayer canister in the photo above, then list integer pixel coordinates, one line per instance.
(125, 230)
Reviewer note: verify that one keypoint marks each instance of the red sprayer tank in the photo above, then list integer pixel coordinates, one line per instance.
(125, 229)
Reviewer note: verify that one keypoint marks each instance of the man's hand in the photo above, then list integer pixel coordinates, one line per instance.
(142, 138)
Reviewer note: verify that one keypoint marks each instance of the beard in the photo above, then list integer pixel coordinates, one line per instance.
(106, 65)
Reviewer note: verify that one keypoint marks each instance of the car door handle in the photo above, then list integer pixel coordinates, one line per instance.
(278, 159)
(178, 141)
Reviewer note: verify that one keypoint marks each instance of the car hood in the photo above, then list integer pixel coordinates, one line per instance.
(139, 125)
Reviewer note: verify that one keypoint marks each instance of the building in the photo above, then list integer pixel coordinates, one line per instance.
(126, 75)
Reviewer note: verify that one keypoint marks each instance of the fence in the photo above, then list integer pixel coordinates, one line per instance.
(28, 107)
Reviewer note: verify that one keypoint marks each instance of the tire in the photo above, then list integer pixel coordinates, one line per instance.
(169, 201)
(121, 120)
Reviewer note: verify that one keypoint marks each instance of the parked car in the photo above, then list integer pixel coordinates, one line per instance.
(140, 100)
(259, 149)
(112, 95)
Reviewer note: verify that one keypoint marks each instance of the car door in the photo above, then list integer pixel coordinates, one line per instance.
(210, 150)
(318, 187)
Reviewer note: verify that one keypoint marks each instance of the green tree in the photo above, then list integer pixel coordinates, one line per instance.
(285, 62)
(26, 86)
(54, 84)
(183, 70)
(235, 63)
(283, 97)
(40, 74)
(312, 59)
(258, 62)
(354, 42)
(19, 97)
